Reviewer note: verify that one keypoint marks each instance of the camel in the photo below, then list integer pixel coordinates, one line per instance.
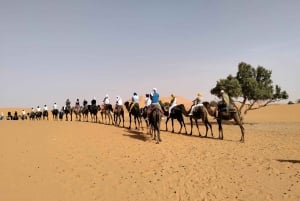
(93, 109)
(45, 114)
(143, 112)
(199, 112)
(77, 111)
(107, 110)
(61, 114)
(55, 114)
(154, 121)
(15, 117)
(135, 112)
(224, 115)
(85, 111)
(38, 115)
(67, 111)
(176, 113)
(119, 115)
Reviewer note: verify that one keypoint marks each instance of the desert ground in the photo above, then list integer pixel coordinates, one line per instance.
(49, 160)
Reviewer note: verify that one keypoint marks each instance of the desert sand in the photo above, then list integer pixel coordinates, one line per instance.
(51, 160)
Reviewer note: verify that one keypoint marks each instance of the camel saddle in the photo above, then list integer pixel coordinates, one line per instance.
(151, 107)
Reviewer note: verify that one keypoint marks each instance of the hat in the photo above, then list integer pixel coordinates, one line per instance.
(222, 91)
(134, 93)
(154, 89)
(199, 94)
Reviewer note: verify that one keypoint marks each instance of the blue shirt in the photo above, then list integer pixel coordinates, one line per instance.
(155, 97)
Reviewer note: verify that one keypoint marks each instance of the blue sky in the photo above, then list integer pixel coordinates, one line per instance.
(53, 50)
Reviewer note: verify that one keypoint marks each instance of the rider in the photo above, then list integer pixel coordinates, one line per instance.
(77, 104)
(147, 100)
(38, 109)
(84, 102)
(93, 101)
(106, 100)
(226, 102)
(173, 103)
(23, 114)
(196, 102)
(154, 96)
(54, 106)
(68, 102)
(45, 108)
(119, 102)
(225, 98)
(135, 100)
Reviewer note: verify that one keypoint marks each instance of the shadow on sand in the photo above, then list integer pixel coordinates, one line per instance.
(135, 134)
(288, 161)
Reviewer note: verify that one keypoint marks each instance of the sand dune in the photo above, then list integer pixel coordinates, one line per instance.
(63, 160)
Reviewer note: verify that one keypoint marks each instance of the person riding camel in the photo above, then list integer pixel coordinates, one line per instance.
(38, 109)
(45, 108)
(119, 102)
(147, 100)
(68, 103)
(23, 115)
(54, 106)
(154, 96)
(196, 103)
(84, 102)
(94, 101)
(225, 104)
(173, 103)
(106, 101)
(134, 101)
(77, 103)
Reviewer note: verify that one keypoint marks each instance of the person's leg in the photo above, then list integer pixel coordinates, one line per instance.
(192, 109)
(170, 110)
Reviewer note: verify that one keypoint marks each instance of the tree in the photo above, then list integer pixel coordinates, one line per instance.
(252, 86)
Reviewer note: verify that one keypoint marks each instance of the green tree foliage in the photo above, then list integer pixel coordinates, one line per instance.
(253, 86)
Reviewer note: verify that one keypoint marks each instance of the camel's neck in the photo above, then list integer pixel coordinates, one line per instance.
(184, 112)
(166, 113)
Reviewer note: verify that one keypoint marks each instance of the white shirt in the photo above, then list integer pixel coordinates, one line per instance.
(119, 102)
(147, 101)
(54, 106)
(45, 108)
(23, 112)
(38, 109)
(135, 98)
(106, 101)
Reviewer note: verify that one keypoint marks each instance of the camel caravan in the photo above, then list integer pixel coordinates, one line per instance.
(152, 114)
